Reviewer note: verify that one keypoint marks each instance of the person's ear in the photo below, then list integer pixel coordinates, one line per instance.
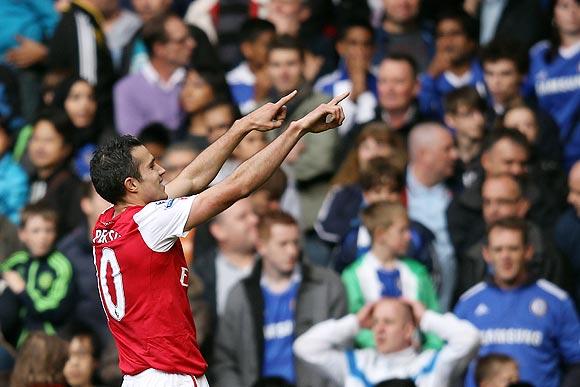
(529, 252)
(523, 207)
(247, 49)
(131, 185)
(304, 13)
(486, 255)
(449, 120)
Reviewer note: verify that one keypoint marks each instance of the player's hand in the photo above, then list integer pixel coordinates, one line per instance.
(417, 307)
(326, 116)
(14, 281)
(269, 116)
(365, 316)
(28, 53)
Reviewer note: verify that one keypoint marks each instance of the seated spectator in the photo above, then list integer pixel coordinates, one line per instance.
(540, 330)
(502, 197)
(402, 31)
(52, 180)
(496, 370)
(567, 230)
(355, 47)
(152, 94)
(156, 138)
(232, 259)
(314, 166)
(13, 180)
(280, 299)
(464, 114)
(40, 362)
(76, 97)
(454, 64)
(394, 323)
(78, 248)
(342, 204)
(521, 21)
(385, 271)
(505, 67)
(84, 353)
(553, 71)
(397, 90)
(200, 90)
(119, 25)
(249, 81)
(79, 47)
(504, 152)
(381, 182)
(40, 276)
(135, 54)
(432, 157)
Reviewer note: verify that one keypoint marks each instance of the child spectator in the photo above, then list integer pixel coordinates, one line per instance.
(383, 271)
(40, 276)
(84, 352)
(249, 81)
(496, 370)
(52, 179)
(465, 114)
(40, 362)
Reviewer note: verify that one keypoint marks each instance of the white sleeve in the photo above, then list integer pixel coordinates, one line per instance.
(323, 346)
(462, 342)
(162, 222)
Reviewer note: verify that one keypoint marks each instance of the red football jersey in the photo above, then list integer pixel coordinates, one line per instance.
(143, 278)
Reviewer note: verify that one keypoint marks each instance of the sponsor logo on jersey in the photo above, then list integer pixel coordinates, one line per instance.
(45, 281)
(558, 85)
(539, 307)
(278, 330)
(520, 336)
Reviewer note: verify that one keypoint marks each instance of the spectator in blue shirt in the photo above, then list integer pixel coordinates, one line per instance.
(529, 319)
(13, 180)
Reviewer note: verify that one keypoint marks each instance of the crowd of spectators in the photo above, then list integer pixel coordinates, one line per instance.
(432, 240)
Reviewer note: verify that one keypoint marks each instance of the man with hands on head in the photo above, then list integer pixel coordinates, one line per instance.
(393, 322)
(136, 245)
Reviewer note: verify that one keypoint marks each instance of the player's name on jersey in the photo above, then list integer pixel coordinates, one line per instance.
(105, 236)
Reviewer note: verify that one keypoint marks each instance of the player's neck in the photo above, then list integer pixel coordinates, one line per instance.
(515, 283)
(569, 40)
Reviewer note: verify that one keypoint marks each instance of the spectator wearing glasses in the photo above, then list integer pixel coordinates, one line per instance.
(152, 94)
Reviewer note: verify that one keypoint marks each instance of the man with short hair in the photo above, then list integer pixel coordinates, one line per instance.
(432, 157)
(152, 94)
(453, 65)
(280, 300)
(502, 197)
(314, 166)
(401, 31)
(529, 319)
(393, 322)
(504, 152)
(355, 46)
(138, 257)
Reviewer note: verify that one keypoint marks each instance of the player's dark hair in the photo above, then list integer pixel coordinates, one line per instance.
(287, 42)
(464, 96)
(505, 50)
(402, 57)
(487, 365)
(510, 223)
(253, 28)
(356, 23)
(513, 135)
(111, 164)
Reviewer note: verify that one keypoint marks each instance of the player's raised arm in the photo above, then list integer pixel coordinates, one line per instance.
(251, 174)
(197, 175)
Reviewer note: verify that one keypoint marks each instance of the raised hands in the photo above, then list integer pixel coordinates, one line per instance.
(326, 116)
(269, 116)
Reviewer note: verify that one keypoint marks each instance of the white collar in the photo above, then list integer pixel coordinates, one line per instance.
(569, 52)
(152, 76)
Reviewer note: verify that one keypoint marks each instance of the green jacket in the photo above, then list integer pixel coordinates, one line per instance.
(48, 298)
(363, 286)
